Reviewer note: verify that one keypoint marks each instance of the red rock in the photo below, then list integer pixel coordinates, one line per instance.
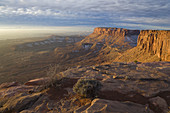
(155, 42)
(115, 31)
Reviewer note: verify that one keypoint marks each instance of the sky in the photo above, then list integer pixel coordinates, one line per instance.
(132, 14)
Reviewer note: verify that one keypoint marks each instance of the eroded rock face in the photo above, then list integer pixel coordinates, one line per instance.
(115, 31)
(152, 45)
(155, 42)
(113, 37)
(119, 35)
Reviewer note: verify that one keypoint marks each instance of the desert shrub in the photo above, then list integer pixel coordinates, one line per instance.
(136, 61)
(53, 75)
(87, 88)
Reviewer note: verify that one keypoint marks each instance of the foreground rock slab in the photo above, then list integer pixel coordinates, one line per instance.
(107, 106)
(127, 87)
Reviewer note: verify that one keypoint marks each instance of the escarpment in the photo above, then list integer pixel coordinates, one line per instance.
(149, 45)
(118, 36)
(119, 45)
(152, 45)
(115, 31)
(113, 37)
(156, 43)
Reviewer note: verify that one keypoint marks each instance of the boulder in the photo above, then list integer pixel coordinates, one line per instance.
(159, 105)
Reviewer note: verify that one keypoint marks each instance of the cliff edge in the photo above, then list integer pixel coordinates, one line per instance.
(113, 36)
(115, 31)
(156, 43)
(152, 45)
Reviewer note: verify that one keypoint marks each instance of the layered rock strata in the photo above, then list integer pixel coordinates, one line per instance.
(155, 42)
(115, 31)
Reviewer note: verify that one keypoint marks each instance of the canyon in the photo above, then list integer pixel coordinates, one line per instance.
(107, 45)
(149, 42)
(132, 66)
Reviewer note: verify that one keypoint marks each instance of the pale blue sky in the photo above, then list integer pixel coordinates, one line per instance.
(134, 14)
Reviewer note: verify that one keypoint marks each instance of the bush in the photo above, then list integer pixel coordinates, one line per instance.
(87, 88)
(136, 61)
(54, 79)
(52, 73)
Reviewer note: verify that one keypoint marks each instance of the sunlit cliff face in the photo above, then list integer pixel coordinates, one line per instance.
(8, 32)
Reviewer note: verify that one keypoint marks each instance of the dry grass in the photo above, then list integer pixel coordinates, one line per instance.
(54, 79)
(53, 75)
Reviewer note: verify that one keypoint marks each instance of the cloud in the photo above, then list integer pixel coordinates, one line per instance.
(147, 20)
(83, 12)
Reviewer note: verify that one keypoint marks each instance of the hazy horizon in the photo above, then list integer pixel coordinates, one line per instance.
(36, 18)
(15, 32)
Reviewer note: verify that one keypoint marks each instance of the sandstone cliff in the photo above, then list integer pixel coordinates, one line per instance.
(106, 45)
(113, 36)
(103, 45)
(115, 31)
(152, 45)
(156, 43)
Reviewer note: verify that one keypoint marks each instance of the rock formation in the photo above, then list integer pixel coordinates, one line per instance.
(106, 45)
(112, 36)
(115, 31)
(152, 42)
(156, 43)
(152, 45)
(103, 45)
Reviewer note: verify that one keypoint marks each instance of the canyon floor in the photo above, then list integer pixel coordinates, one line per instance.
(25, 59)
